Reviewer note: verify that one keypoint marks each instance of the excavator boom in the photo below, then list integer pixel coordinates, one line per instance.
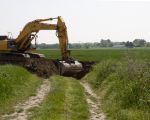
(25, 37)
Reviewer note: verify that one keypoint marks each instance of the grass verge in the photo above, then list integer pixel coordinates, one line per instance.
(124, 88)
(16, 85)
(65, 101)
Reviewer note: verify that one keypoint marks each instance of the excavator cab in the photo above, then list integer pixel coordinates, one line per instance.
(7, 43)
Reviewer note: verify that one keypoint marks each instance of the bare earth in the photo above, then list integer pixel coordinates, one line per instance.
(21, 110)
(94, 105)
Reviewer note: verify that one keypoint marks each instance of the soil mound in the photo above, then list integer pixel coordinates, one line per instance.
(41, 66)
(47, 67)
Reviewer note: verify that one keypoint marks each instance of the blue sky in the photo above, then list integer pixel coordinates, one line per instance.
(86, 20)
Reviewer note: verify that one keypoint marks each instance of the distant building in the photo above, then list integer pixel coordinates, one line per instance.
(118, 46)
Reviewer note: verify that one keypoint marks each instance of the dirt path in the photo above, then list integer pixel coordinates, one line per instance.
(21, 110)
(94, 105)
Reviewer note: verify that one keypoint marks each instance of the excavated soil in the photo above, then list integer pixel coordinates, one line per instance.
(47, 67)
(87, 67)
(41, 66)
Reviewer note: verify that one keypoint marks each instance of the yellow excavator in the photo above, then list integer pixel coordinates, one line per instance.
(18, 50)
(22, 43)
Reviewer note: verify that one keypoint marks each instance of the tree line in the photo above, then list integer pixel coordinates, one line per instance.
(101, 44)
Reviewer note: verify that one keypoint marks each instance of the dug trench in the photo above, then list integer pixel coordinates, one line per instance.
(47, 67)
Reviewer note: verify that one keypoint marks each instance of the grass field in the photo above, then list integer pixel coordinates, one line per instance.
(100, 54)
(124, 88)
(16, 85)
(121, 78)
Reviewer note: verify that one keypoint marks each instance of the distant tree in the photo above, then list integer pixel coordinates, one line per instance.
(42, 45)
(76, 45)
(70, 45)
(129, 44)
(147, 44)
(48, 46)
(123, 43)
(87, 45)
(139, 42)
(106, 43)
(96, 44)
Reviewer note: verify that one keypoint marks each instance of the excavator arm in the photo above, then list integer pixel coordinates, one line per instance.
(25, 37)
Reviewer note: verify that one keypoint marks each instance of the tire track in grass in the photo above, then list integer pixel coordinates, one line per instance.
(93, 101)
(22, 109)
(65, 101)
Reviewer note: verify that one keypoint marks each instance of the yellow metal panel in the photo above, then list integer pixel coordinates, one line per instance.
(3, 45)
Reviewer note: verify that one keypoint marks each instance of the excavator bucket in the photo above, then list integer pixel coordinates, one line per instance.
(76, 69)
(68, 69)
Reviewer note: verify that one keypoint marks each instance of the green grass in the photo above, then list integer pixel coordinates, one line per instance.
(100, 54)
(124, 87)
(65, 101)
(122, 79)
(16, 85)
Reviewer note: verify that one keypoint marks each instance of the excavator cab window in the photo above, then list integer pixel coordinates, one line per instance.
(11, 44)
(3, 37)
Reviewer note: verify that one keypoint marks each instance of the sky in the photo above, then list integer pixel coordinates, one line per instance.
(86, 20)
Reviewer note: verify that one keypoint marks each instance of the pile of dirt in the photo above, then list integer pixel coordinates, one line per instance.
(87, 66)
(41, 66)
